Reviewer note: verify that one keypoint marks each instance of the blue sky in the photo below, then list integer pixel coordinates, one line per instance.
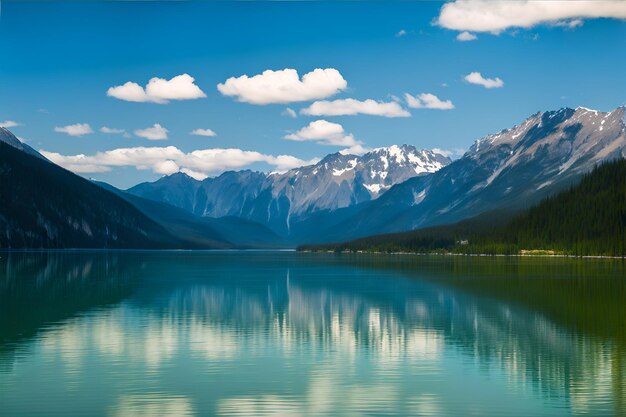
(60, 59)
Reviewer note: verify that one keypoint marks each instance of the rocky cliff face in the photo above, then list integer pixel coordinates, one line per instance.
(278, 199)
(401, 188)
(511, 169)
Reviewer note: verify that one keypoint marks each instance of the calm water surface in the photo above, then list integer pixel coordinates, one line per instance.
(289, 334)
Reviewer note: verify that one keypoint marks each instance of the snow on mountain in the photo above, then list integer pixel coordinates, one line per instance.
(335, 182)
(578, 138)
(509, 170)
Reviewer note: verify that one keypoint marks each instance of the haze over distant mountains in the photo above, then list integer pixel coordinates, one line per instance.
(392, 189)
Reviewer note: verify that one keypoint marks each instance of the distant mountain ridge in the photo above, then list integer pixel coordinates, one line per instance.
(342, 197)
(10, 139)
(511, 170)
(279, 199)
(587, 219)
(45, 206)
(346, 197)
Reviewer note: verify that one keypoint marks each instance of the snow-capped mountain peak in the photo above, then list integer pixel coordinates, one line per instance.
(334, 182)
(566, 141)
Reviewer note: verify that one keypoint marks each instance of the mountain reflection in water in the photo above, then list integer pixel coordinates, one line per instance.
(271, 333)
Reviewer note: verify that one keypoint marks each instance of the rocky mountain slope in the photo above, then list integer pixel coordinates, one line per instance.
(511, 169)
(587, 219)
(342, 197)
(282, 199)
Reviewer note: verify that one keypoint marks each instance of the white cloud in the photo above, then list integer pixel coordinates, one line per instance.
(113, 131)
(357, 149)
(497, 16)
(289, 112)
(131, 91)
(158, 90)
(167, 167)
(194, 174)
(401, 33)
(477, 78)
(466, 36)
(323, 132)
(167, 160)
(427, 101)
(450, 153)
(284, 86)
(203, 132)
(78, 129)
(570, 24)
(327, 133)
(156, 132)
(7, 124)
(287, 162)
(350, 107)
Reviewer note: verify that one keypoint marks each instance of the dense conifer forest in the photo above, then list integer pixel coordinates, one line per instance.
(586, 219)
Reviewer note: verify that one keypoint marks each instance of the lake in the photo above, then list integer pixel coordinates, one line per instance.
(296, 334)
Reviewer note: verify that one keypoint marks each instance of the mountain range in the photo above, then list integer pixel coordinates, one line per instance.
(586, 219)
(510, 170)
(280, 200)
(45, 206)
(399, 188)
(393, 189)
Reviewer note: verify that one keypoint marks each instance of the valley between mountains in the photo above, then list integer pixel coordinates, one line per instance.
(340, 198)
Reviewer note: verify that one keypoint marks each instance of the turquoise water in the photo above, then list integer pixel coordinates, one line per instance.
(291, 334)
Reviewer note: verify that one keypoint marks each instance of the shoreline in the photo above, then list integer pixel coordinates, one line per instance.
(294, 250)
(468, 254)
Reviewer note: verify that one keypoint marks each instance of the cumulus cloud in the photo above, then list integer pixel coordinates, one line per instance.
(327, 133)
(78, 129)
(289, 112)
(166, 167)
(156, 132)
(7, 124)
(450, 153)
(497, 16)
(158, 90)
(284, 86)
(357, 149)
(350, 107)
(466, 36)
(112, 131)
(427, 101)
(203, 132)
(401, 33)
(168, 160)
(478, 79)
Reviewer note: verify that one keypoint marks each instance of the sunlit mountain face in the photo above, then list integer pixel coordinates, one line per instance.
(312, 209)
(192, 333)
(283, 199)
(400, 188)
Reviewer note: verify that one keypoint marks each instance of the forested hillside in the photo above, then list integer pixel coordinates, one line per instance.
(586, 219)
(45, 206)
